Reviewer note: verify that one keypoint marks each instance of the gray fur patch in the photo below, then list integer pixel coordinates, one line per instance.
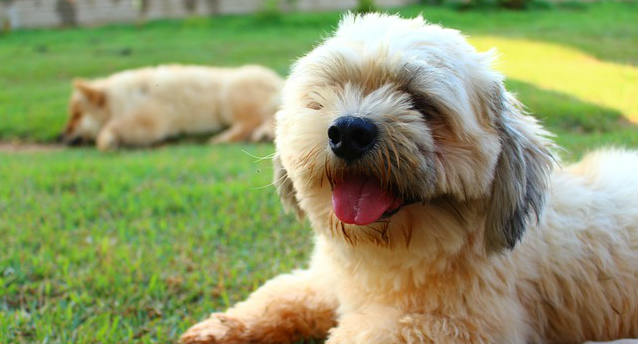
(518, 190)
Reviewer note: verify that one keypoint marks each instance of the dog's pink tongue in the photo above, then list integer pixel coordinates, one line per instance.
(360, 200)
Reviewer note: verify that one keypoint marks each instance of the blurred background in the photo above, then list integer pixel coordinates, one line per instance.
(136, 245)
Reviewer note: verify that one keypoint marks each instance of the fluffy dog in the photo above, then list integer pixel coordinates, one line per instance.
(439, 212)
(144, 106)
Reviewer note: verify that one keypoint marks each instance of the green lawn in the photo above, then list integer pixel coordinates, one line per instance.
(134, 246)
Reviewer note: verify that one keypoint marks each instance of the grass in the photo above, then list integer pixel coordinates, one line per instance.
(135, 246)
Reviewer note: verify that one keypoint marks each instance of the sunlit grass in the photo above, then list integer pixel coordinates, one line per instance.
(558, 68)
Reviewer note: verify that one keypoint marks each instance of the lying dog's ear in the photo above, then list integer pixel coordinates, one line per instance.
(520, 176)
(94, 94)
(285, 189)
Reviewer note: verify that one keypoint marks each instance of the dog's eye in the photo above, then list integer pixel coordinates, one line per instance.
(314, 106)
(420, 104)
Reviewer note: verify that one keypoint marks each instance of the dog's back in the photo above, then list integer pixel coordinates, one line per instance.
(577, 266)
(187, 98)
(142, 106)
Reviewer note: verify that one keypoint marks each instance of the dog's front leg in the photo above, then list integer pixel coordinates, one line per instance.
(285, 309)
(107, 138)
(237, 132)
(386, 325)
(372, 325)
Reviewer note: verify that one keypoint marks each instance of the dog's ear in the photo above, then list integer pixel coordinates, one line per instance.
(93, 93)
(520, 176)
(285, 189)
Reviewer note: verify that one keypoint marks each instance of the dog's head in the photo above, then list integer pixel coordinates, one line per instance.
(391, 118)
(88, 111)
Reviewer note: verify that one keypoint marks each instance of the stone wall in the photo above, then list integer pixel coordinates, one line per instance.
(56, 13)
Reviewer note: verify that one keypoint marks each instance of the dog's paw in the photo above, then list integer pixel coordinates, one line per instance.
(264, 133)
(218, 328)
(106, 141)
(217, 139)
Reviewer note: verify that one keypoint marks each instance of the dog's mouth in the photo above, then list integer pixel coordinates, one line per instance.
(362, 200)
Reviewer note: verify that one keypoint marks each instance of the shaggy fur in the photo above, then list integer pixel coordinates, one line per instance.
(144, 106)
(497, 244)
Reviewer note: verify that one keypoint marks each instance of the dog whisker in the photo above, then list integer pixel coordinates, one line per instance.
(273, 183)
(258, 158)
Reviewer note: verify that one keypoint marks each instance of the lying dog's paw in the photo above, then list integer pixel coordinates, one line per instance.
(106, 141)
(219, 328)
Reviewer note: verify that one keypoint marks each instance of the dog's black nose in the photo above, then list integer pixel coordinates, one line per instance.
(350, 137)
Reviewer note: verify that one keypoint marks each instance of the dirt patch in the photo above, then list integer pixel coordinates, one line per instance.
(16, 147)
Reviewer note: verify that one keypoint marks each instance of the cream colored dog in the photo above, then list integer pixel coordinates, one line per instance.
(144, 106)
(438, 211)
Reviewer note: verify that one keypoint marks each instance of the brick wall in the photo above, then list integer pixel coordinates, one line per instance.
(54, 13)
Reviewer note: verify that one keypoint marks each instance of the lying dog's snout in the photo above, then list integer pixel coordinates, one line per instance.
(350, 137)
(76, 141)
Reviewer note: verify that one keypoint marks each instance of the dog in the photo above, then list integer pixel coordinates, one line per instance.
(440, 209)
(141, 107)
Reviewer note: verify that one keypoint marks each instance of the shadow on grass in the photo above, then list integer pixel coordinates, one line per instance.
(579, 126)
(565, 112)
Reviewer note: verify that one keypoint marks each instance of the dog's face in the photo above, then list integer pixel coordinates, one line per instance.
(391, 118)
(88, 111)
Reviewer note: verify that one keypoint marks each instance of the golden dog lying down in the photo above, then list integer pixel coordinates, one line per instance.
(440, 213)
(140, 107)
